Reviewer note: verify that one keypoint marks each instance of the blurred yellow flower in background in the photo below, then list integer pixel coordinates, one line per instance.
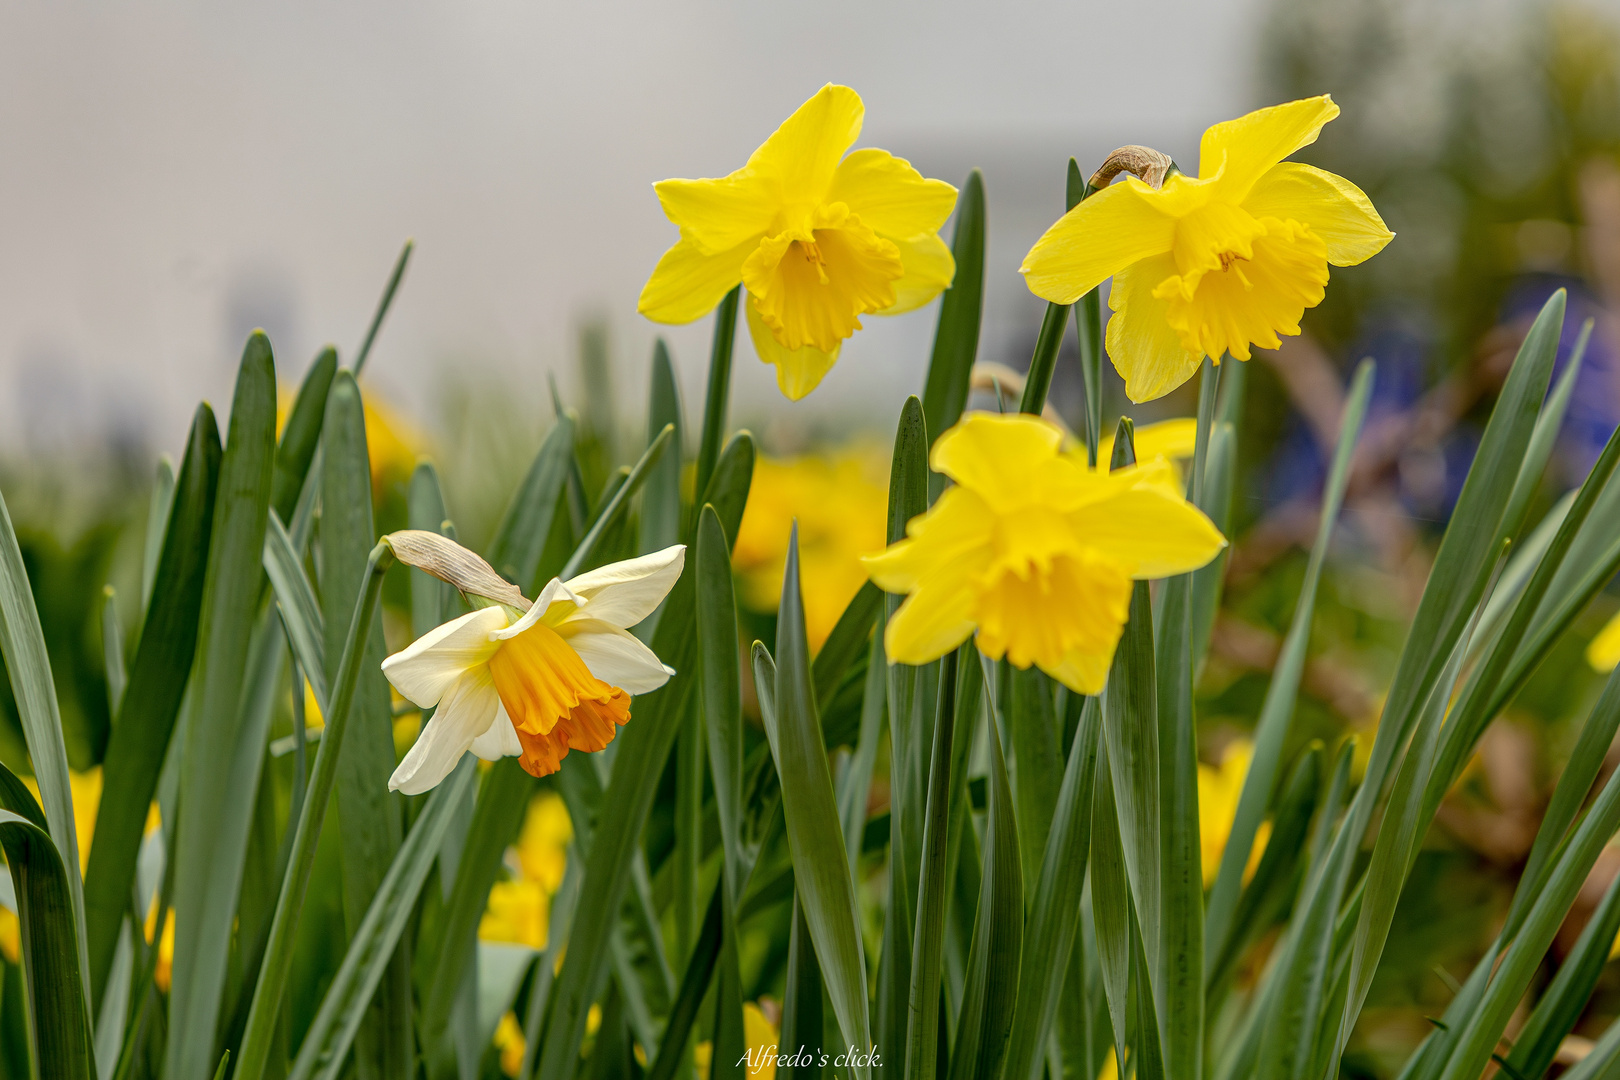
(841, 501)
(819, 239)
(761, 1036)
(1604, 651)
(1219, 787)
(165, 958)
(1168, 439)
(1033, 552)
(509, 1041)
(1209, 266)
(85, 788)
(10, 935)
(519, 909)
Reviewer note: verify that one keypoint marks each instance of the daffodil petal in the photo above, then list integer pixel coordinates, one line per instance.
(624, 593)
(1335, 209)
(929, 270)
(615, 656)
(424, 670)
(1083, 672)
(466, 711)
(803, 154)
(1170, 439)
(717, 215)
(555, 592)
(983, 449)
(1100, 237)
(500, 740)
(930, 623)
(890, 197)
(687, 283)
(1145, 349)
(798, 371)
(1151, 529)
(1248, 146)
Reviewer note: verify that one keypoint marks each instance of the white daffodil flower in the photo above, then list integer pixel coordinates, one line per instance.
(535, 684)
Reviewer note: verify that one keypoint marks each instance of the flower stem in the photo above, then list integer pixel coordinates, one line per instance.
(1207, 385)
(714, 408)
(272, 985)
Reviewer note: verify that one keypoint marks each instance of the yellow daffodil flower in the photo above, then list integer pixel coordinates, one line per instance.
(1604, 651)
(841, 503)
(518, 913)
(817, 238)
(1034, 552)
(761, 1036)
(539, 684)
(1219, 787)
(1209, 266)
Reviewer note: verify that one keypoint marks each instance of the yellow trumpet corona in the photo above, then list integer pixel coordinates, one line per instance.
(817, 237)
(1210, 265)
(1033, 552)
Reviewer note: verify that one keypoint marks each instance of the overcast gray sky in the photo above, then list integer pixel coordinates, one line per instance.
(173, 174)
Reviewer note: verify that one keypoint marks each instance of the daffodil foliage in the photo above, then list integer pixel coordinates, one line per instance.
(876, 759)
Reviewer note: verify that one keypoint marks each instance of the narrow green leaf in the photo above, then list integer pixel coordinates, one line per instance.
(1544, 435)
(112, 649)
(855, 786)
(719, 391)
(815, 839)
(1037, 759)
(1041, 365)
(998, 932)
(158, 677)
(1054, 917)
(272, 979)
(219, 766)
(956, 336)
(847, 641)
(1601, 1060)
(1219, 485)
(694, 982)
(1271, 730)
(613, 509)
(300, 611)
(802, 1022)
(922, 1031)
(721, 690)
(1566, 997)
(56, 1008)
(1131, 740)
(1110, 905)
(372, 829)
(302, 434)
(521, 535)
(157, 521)
(661, 502)
(426, 511)
(383, 304)
(327, 1042)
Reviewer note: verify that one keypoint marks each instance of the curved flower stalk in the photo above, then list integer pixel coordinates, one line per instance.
(1213, 264)
(818, 239)
(533, 683)
(1033, 552)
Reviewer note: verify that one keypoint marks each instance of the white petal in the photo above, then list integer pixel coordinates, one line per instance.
(499, 741)
(424, 670)
(624, 593)
(554, 592)
(465, 713)
(615, 656)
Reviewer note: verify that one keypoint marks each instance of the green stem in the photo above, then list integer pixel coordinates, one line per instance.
(714, 408)
(1207, 385)
(1041, 365)
(272, 984)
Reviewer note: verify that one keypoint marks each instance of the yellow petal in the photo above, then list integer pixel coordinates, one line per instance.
(1604, 651)
(890, 197)
(1149, 527)
(1335, 209)
(1083, 672)
(1170, 439)
(983, 449)
(929, 271)
(1096, 240)
(717, 215)
(931, 622)
(803, 154)
(798, 371)
(938, 565)
(814, 292)
(1145, 349)
(687, 284)
(1248, 146)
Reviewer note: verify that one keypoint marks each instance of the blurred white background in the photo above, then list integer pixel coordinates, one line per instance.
(173, 175)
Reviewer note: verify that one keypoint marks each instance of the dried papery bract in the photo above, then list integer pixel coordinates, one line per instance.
(1143, 162)
(449, 561)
